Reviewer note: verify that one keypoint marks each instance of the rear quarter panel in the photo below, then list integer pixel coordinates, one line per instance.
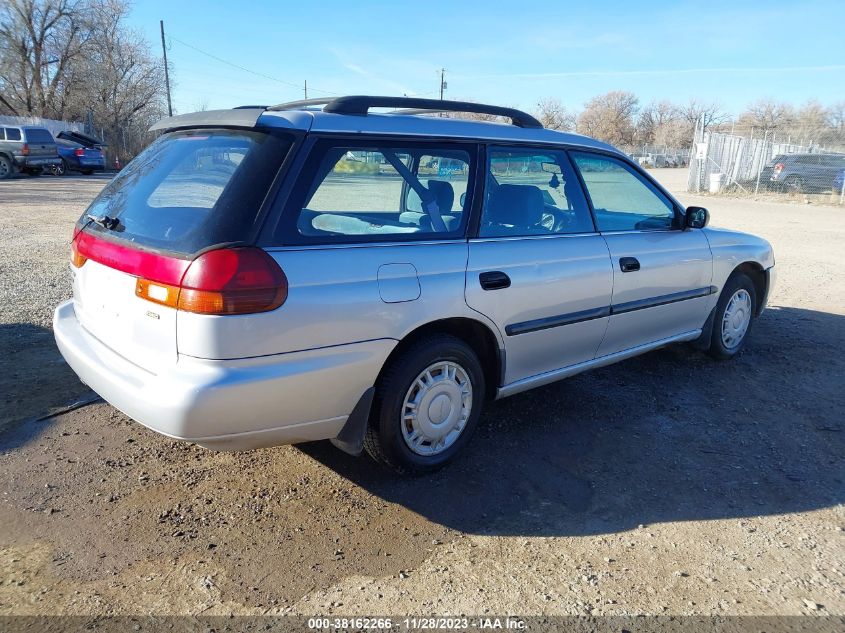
(335, 298)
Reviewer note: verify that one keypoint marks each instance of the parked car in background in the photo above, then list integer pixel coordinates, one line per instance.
(802, 173)
(26, 149)
(78, 157)
(229, 290)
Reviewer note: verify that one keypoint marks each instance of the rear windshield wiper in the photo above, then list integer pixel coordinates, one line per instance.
(105, 221)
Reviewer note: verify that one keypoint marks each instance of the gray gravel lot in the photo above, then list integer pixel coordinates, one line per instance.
(668, 484)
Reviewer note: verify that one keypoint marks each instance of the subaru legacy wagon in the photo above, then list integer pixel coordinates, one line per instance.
(317, 270)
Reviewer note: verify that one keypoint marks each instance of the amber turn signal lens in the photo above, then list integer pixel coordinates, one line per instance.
(76, 258)
(163, 294)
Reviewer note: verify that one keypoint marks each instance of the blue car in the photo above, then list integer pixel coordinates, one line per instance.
(79, 153)
(839, 181)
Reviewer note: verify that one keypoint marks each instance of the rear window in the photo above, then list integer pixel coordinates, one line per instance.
(190, 190)
(38, 135)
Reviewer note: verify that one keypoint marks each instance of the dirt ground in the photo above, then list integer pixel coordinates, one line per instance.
(668, 484)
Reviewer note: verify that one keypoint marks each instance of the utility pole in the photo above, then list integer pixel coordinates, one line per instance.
(306, 90)
(442, 82)
(166, 73)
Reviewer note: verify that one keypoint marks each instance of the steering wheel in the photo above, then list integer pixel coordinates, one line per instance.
(554, 220)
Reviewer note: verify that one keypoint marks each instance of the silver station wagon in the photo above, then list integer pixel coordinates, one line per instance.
(314, 270)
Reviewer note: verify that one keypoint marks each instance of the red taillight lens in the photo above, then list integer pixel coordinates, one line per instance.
(233, 281)
(25, 149)
(778, 168)
(224, 281)
(80, 152)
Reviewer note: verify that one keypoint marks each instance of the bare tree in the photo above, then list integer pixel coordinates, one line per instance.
(610, 117)
(76, 59)
(836, 118)
(767, 115)
(39, 40)
(122, 79)
(695, 112)
(655, 121)
(554, 115)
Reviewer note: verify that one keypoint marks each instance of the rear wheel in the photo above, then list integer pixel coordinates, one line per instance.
(428, 401)
(60, 169)
(734, 317)
(793, 184)
(6, 169)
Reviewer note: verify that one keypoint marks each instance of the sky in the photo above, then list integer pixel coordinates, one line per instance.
(224, 54)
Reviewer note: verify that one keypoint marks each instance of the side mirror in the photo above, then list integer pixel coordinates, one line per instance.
(696, 218)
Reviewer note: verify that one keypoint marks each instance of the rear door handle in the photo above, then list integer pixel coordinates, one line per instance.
(629, 264)
(494, 280)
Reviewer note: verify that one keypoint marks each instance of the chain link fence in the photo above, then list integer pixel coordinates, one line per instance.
(763, 164)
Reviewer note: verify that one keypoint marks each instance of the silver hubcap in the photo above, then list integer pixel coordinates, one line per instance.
(736, 319)
(436, 408)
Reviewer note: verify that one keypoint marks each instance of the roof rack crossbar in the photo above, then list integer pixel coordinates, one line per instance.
(361, 104)
(298, 105)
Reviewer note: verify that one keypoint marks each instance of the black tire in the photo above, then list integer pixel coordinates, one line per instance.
(384, 440)
(793, 184)
(718, 348)
(6, 168)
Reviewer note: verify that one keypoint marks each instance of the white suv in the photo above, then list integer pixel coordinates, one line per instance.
(263, 276)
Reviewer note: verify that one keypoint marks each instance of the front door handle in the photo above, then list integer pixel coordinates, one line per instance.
(494, 280)
(629, 264)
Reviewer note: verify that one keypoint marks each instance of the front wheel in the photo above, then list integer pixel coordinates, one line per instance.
(427, 404)
(734, 317)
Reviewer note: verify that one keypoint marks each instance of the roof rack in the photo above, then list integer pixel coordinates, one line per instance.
(361, 104)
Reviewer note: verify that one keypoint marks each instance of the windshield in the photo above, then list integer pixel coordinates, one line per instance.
(190, 190)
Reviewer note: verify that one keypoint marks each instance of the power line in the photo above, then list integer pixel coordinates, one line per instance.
(248, 70)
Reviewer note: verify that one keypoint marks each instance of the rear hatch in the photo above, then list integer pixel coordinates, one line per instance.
(185, 194)
(40, 143)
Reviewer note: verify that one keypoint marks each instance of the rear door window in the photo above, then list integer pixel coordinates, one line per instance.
(191, 190)
(380, 191)
(38, 135)
(13, 134)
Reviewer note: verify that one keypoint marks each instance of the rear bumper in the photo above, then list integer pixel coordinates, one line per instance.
(25, 162)
(231, 404)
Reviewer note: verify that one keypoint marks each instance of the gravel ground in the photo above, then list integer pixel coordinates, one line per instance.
(668, 484)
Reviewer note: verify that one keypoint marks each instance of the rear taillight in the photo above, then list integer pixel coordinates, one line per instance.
(225, 281)
(80, 152)
(778, 168)
(76, 258)
(25, 149)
